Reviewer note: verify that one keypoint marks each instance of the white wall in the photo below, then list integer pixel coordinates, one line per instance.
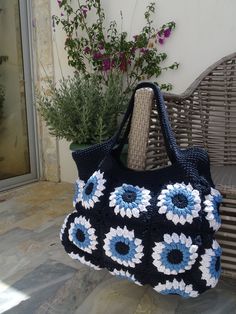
(206, 31)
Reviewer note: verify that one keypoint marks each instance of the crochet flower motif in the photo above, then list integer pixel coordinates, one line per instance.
(210, 264)
(176, 287)
(180, 203)
(79, 184)
(125, 275)
(212, 202)
(129, 200)
(82, 260)
(82, 234)
(122, 247)
(175, 254)
(64, 225)
(92, 190)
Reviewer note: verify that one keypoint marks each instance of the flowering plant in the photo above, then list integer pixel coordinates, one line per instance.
(91, 47)
(108, 65)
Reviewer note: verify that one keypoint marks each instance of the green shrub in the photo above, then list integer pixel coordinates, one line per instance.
(81, 109)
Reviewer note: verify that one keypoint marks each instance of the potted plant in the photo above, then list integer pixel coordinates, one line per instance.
(81, 109)
(108, 65)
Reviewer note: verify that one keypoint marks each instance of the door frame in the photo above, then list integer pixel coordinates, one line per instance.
(26, 39)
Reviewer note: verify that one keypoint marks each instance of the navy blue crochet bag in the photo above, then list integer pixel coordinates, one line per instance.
(151, 227)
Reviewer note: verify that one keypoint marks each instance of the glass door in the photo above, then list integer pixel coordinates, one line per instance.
(17, 131)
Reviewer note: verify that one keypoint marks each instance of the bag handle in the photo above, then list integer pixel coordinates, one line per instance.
(169, 138)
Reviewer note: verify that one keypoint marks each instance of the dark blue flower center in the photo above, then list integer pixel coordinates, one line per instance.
(217, 264)
(175, 256)
(89, 188)
(122, 248)
(129, 196)
(180, 200)
(80, 235)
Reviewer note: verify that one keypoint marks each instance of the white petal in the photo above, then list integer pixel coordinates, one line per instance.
(95, 199)
(167, 238)
(182, 220)
(159, 247)
(135, 212)
(139, 248)
(182, 238)
(122, 212)
(128, 213)
(112, 203)
(169, 215)
(175, 237)
(193, 249)
(188, 242)
(196, 193)
(175, 284)
(137, 241)
(175, 219)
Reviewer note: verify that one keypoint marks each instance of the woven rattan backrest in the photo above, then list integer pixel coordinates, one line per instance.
(204, 115)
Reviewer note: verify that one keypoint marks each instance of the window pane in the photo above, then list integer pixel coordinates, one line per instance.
(14, 151)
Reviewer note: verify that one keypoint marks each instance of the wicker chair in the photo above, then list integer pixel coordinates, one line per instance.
(204, 115)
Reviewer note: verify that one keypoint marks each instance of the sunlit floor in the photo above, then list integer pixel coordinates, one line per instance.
(38, 277)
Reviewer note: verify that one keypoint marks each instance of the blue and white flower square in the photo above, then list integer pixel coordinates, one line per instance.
(123, 247)
(177, 287)
(210, 264)
(175, 254)
(79, 184)
(125, 275)
(93, 190)
(180, 203)
(82, 235)
(211, 203)
(129, 200)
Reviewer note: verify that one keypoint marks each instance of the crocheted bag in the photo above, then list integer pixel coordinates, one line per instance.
(151, 227)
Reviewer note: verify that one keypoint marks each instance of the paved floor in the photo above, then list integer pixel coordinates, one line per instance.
(36, 276)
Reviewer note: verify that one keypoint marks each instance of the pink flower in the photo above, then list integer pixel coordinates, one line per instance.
(167, 32)
(101, 46)
(59, 2)
(144, 50)
(123, 62)
(84, 11)
(106, 65)
(161, 41)
(86, 50)
(97, 56)
(132, 51)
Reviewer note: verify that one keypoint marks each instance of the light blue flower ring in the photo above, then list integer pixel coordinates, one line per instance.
(211, 208)
(82, 234)
(129, 200)
(175, 254)
(79, 184)
(180, 203)
(176, 287)
(121, 246)
(210, 264)
(122, 274)
(93, 190)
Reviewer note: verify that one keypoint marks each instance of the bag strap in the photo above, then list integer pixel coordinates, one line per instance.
(169, 138)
